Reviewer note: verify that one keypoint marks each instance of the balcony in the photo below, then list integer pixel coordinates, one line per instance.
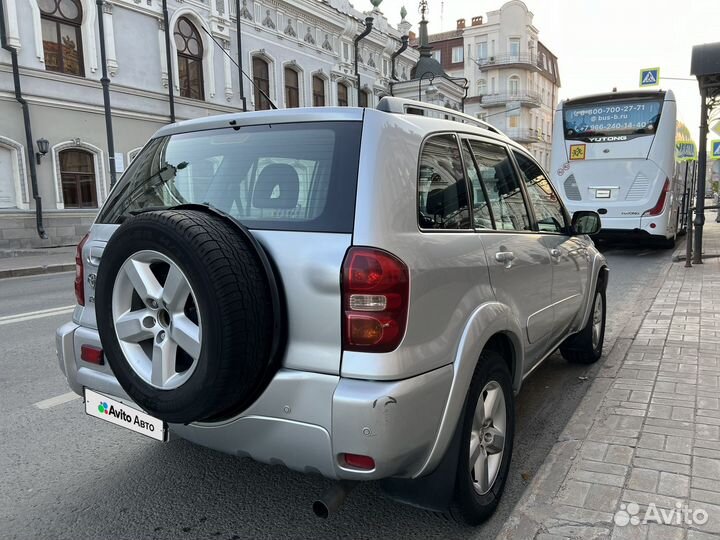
(526, 135)
(529, 99)
(526, 61)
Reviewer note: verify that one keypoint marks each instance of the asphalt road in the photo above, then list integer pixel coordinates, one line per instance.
(65, 475)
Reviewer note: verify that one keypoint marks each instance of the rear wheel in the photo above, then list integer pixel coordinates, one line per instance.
(586, 346)
(486, 441)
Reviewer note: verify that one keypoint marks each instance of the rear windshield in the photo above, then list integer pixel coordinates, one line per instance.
(294, 177)
(627, 117)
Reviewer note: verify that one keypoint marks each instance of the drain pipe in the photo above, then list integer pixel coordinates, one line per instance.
(29, 144)
(404, 40)
(368, 29)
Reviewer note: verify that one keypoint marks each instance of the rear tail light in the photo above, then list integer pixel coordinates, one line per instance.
(376, 290)
(92, 355)
(660, 206)
(79, 272)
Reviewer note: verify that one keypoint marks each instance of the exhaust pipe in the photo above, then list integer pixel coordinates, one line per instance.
(332, 498)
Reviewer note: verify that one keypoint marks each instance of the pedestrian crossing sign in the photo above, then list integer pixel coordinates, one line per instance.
(715, 147)
(650, 76)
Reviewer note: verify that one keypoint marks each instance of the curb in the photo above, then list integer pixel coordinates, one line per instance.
(37, 270)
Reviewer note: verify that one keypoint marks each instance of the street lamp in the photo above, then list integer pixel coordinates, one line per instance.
(43, 147)
(431, 90)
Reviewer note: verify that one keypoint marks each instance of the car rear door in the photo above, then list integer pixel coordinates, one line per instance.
(567, 253)
(519, 262)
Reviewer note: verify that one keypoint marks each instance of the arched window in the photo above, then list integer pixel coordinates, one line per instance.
(318, 92)
(189, 58)
(364, 98)
(342, 94)
(292, 88)
(62, 40)
(514, 85)
(261, 78)
(77, 171)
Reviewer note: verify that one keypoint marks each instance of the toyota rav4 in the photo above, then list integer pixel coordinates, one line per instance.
(351, 292)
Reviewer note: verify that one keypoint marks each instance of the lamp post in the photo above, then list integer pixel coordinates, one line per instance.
(431, 89)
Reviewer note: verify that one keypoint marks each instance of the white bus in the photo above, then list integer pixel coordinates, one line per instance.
(615, 154)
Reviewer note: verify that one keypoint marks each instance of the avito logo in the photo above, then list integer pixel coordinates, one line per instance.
(120, 414)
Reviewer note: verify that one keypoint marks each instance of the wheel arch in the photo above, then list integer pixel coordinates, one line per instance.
(492, 324)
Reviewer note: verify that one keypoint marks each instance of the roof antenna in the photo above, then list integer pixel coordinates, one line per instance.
(238, 66)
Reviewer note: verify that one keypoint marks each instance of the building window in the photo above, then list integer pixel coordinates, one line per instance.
(189, 58)
(261, 78)
(492, 85)
(346, 51)
(481, 87)
(318, 92)
(513, 122)
(77, 172)
(482, 50)
(364, 99)
(292, 88)
(62, 40)
(457, 55)
(514, 86)
(515, 47)
(342, 94)
(436, 55)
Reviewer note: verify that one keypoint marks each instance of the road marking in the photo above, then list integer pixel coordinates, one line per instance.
(57, 400)
(20, 317)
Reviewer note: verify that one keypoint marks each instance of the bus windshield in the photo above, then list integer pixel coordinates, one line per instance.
(626, 118)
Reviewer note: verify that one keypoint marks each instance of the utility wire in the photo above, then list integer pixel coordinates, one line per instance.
(241, 71)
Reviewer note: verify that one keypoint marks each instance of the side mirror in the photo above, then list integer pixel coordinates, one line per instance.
(586, 222)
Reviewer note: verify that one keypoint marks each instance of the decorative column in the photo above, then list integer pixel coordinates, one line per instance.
(112, 64)
(13, 33)
(228, 70)
(163, 54)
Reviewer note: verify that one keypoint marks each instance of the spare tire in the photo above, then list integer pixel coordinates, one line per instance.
(187, 309)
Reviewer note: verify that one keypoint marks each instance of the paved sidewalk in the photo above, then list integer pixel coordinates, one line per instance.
(645, 441)
(30, 262)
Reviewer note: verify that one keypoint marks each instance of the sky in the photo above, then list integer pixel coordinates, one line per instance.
(601, 44)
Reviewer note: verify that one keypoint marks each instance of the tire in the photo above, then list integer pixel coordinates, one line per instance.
(580, 348)
(217, 363)
(668, 243)
(472, 504)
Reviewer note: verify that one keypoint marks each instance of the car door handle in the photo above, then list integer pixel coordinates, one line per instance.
(505, 257)
(555, 252)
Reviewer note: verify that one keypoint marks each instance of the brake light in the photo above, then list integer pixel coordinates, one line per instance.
(376, 290)
(660, 206)
(79, 271)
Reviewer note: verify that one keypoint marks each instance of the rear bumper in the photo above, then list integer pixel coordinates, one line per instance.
(305, 420)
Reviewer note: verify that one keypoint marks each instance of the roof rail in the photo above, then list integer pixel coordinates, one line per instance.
(397, 105)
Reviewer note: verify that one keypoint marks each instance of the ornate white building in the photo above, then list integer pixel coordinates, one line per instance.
(300, 52)
(513, 78)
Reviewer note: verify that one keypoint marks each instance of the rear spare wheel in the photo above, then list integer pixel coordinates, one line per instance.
(188, 313)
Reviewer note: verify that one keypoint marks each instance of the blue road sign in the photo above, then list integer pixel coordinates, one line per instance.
(715, 147)
(650, 76)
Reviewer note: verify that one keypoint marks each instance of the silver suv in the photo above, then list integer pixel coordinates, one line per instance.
(351, 292)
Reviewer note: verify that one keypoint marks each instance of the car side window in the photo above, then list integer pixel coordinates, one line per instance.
(442, 192)
(548, 210)
(482, 216)
(502, 187)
